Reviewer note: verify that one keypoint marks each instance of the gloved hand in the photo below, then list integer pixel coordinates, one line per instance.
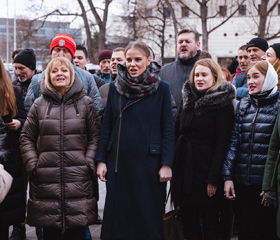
(270, 198)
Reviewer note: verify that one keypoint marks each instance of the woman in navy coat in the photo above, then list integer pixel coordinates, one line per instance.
(136, 146)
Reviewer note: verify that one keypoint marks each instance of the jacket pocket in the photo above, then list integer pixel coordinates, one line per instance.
(155, 148)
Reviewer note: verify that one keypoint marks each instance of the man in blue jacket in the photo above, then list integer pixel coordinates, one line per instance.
(63, 45)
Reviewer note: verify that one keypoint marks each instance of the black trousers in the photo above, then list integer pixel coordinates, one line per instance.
(4, 232)
(254, 221)
(69, 234)
(200, 222)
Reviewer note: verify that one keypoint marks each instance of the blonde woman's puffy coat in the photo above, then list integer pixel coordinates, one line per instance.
(58, 145)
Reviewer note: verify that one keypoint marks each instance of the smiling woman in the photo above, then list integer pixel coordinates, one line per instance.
(59, 141)
(59, 75)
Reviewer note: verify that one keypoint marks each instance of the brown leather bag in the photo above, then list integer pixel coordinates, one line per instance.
(172, 224)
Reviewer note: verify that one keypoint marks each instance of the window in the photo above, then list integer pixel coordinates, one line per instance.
(259, 8)
(167, 12)
(148, 12)
(223, 11)
(185, 11)
(242, 10)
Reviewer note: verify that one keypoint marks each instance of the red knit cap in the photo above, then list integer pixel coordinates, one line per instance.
(64, 40)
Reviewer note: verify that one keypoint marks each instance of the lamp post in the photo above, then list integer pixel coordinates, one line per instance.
(15, 26)
(7, 35)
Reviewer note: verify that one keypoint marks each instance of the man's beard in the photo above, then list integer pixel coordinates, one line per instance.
(184, 57)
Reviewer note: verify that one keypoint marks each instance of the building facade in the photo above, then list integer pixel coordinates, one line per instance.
(33, 34)
(155, 20)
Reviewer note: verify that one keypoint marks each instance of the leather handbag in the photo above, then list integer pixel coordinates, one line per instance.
(172, 224)
(5, 183)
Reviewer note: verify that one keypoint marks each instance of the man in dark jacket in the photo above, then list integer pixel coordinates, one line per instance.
(177, 72)
(25, 68)
(81, 60)
(63, 45)
(24, 65)
(256, 48)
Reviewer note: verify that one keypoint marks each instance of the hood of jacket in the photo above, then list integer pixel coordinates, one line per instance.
(75, 92)
(219, 98)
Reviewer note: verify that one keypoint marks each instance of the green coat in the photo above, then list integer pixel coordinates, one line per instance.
(271, 179)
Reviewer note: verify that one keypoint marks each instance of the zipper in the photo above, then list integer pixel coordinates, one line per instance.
(251, 143)
(61, 166)
(119, 133)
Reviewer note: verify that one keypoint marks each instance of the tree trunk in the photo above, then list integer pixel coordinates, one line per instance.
(88, 33)
(203, 14)
(263, 18)
(174, 20)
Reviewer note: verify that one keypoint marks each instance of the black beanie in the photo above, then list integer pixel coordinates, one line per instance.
(276, 48)
(27, 58)
(259, 43)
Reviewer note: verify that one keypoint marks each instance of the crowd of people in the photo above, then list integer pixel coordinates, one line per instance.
(213, 132)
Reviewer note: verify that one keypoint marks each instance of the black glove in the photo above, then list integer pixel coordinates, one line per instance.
(271, 198)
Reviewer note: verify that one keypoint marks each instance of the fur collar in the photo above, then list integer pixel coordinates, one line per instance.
(219, 98)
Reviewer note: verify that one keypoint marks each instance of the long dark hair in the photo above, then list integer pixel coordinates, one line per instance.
(7, 95)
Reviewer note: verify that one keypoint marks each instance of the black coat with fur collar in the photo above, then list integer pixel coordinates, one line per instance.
(203, 126)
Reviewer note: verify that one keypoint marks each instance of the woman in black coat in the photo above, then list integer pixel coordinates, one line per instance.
(245, 161)
(12, 209)
(202, 130)
(136, 147)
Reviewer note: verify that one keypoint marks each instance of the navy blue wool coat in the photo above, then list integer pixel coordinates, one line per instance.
(134, 146)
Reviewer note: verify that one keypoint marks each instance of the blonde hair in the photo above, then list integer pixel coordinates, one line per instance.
(55, 62)
(8, 104)
(215, 70)
(276, 66)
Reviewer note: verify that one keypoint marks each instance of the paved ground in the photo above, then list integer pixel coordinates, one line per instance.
(95, 229)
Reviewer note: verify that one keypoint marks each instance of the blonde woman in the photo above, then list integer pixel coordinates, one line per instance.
(58, 145)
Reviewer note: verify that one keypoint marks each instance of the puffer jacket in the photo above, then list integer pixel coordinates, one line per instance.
(246, 157)
(58, 145)
(87, 79)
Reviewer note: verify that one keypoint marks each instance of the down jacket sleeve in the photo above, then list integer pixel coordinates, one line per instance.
(229, 163)
(93, 130)
(28, 140)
